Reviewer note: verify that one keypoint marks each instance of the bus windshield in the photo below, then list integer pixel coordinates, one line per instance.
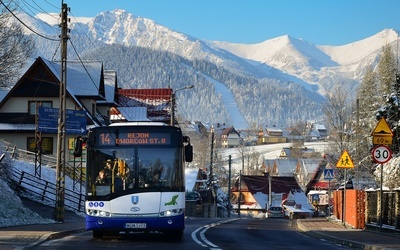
(117, 170)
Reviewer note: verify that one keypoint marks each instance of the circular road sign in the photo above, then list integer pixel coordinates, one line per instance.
(381, 154)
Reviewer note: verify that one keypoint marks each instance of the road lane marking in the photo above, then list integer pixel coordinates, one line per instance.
(203, 241)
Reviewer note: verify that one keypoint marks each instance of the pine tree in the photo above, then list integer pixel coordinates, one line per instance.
(368, 99)
(387, 70)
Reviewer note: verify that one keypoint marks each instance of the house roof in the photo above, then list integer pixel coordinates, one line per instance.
(157, 101)
(150, 96)
(229, 130)
(82, 79)
(283, 185)
(286, 167)
(110, 88)
(310, 165)
(137, 114)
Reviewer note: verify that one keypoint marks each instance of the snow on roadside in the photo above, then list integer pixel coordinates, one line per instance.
(13, 212)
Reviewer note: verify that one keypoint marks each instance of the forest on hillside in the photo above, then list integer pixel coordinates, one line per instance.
(261, 101)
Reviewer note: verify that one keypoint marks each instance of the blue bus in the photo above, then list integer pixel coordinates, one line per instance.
(135, 179)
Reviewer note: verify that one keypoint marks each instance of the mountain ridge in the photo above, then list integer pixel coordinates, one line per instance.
(284, 64)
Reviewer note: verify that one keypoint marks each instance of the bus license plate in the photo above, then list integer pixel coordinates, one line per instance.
(135, 225)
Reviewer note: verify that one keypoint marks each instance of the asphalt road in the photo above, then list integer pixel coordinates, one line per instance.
(205, 233)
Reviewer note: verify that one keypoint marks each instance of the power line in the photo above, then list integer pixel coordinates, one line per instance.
(48, 38)
(80, 60)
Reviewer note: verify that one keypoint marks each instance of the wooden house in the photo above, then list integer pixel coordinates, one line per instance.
(40, 86)
(230, 138)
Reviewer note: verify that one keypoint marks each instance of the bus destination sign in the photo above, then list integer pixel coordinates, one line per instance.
(135, 138)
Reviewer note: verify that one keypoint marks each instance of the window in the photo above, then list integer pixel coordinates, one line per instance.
(47, 145)
(33, 105)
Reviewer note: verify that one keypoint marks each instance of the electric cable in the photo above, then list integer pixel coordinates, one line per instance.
(24, 24)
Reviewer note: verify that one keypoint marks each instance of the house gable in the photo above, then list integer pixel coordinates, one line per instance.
(40, 83)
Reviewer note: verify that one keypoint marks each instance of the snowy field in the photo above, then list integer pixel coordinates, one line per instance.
(13, 213)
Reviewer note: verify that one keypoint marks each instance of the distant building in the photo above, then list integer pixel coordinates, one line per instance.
(316, 131)
(230, 138)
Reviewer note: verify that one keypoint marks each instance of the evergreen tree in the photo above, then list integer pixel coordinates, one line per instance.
(387, 70)
(368, 99)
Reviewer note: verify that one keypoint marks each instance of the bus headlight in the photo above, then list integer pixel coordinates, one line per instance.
(98, 213)
(172, 212)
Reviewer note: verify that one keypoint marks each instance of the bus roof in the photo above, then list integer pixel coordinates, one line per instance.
(138, 124)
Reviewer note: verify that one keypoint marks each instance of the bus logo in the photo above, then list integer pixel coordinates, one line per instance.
(135, 209)
(135, 199)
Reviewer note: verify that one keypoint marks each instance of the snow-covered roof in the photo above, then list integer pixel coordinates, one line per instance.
(286, 167)
(310, 165)
(82, 79)
(10, 126)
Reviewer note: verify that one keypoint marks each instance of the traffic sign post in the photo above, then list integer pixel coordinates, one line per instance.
(345, 162)
(382, 135)
(381, 154)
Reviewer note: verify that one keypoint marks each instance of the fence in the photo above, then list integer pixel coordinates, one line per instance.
(74, 172)
(389, 212)
(46, 191)
(363, 209)
(24, 155)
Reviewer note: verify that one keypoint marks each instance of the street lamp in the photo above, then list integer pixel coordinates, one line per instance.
(173, 102)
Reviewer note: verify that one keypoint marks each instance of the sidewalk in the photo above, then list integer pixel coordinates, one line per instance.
(335, 232)
(27, 236)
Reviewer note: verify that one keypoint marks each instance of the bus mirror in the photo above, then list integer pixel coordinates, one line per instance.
(189, 153)
(78, 147)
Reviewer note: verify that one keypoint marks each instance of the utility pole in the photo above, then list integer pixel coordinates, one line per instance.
(229, 186)
(60, 167)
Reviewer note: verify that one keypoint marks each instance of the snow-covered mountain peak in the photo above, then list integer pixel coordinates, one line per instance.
(355, 52)
(120, 27)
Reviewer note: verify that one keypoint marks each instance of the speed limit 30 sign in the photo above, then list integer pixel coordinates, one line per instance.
(381, 154)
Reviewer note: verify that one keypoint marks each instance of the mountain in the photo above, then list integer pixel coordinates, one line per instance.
(279, 81)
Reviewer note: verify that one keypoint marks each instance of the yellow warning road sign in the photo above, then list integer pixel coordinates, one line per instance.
(382, 129)
(345, 161)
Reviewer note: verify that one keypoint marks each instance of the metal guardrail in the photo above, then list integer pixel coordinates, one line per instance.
(46, 191)
(48, 160)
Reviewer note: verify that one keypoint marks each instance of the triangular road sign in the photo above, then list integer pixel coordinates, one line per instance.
(382, 129)
(345, 161)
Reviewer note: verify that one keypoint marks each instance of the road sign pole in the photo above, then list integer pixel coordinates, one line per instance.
(344, 198)
(381, 200)
(329, 197)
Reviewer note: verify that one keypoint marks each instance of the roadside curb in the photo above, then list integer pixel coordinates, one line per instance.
(333, 239)
(50, 236)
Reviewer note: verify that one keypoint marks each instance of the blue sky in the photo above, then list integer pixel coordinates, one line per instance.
(322, 22)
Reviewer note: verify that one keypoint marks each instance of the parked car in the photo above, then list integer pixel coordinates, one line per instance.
(276, 212)
(193, 196)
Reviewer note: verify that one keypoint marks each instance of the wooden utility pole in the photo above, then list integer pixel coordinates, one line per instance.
(60, 168)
